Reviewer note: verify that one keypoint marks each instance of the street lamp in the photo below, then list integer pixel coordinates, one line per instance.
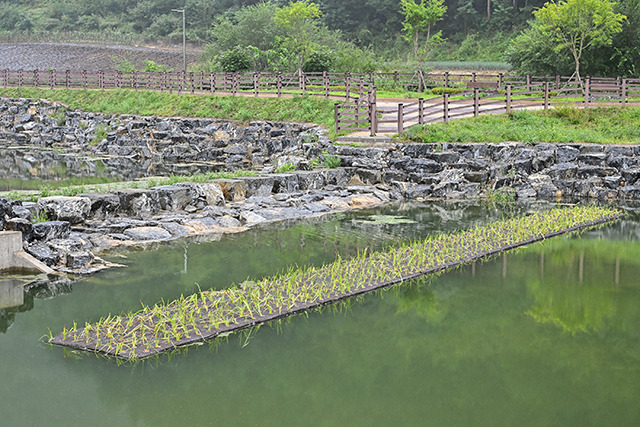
(184, 39)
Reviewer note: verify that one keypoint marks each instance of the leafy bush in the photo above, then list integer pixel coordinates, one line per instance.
(319, 61)
(152, 67)
(235, 60)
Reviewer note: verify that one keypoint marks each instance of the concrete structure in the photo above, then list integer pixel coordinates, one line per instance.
(12, 255)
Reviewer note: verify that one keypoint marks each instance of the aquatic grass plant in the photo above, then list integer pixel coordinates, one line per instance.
(211, 313)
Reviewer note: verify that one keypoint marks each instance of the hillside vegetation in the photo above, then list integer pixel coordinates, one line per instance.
(342, 36)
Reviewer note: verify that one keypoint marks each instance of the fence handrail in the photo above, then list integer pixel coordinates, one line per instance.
(533, 95)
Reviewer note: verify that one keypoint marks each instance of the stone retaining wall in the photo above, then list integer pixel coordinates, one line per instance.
(81, 226)
(455, 171)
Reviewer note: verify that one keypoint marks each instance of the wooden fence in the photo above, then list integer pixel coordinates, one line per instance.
(529, 94)
(480, 93)
(328, 85)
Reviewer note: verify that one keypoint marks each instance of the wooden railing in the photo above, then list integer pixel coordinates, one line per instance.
(481, 93)
(356, 115)
(532, 93)
(328, 85)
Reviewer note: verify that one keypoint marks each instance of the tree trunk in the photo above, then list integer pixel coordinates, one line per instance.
(489, 9)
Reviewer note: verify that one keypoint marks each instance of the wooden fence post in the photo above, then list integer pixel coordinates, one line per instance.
(279, 83)
(336, 117)
(325, 84)
(445, 108)
(67, 78)
(500, 79)
(255, 84)
(400, 119)
(52, 78)
(508, 99)
(35, 78)
(528, 82)
(546, 95)
(234, 83)
(395, 79)
(373, 118)
(20, 78)
(476, 102)
(421, 111)
(303, 81)
(446, 79)
(557, 81)
(623, 94)
(587, 86)
(347, 83)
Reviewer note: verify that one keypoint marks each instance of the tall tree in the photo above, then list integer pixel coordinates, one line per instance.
(576, 25)
(419, 18)
(298, 21)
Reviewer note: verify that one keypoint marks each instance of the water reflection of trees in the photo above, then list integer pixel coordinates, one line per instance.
(577, 288)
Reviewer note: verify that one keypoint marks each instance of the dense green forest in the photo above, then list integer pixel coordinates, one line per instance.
(344, 34)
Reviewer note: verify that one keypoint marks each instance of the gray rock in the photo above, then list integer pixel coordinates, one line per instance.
(233, 189)
(563, 171)
(44, 253)
(51, 230)
(418, 191)
(313, 180)
(316, 207)
(62, 208)
(631, 175)
(229, 221)
(566, 154)
(102, 204)
(137, 202)
(148, 233)
(286, 183)
(78, 259)
(259, 185)
(171, 197)
(22, 225)
(176, 230)
(251, 218)
(593, 159)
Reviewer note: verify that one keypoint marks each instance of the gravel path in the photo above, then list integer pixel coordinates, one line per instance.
(42, 56)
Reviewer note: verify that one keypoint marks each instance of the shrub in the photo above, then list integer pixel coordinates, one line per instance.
(235, 60)
(319, 61)
(448, 90)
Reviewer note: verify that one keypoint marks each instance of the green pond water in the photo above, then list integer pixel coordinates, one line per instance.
(548, 335)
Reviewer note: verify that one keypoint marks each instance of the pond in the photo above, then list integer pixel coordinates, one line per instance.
(31, 168)
(544, 336)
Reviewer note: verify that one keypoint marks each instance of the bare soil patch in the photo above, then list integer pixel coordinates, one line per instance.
(90, 57)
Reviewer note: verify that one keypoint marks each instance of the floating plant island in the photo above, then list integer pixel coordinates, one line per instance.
(208, 314)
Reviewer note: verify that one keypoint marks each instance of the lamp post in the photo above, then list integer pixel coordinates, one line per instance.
(184, 39)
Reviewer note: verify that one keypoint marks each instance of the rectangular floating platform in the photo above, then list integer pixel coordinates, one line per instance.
(209, 314)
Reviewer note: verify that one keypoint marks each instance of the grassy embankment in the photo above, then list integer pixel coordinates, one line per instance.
(564, 124)
(214, 312)
(147, 103)
(561, 124)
